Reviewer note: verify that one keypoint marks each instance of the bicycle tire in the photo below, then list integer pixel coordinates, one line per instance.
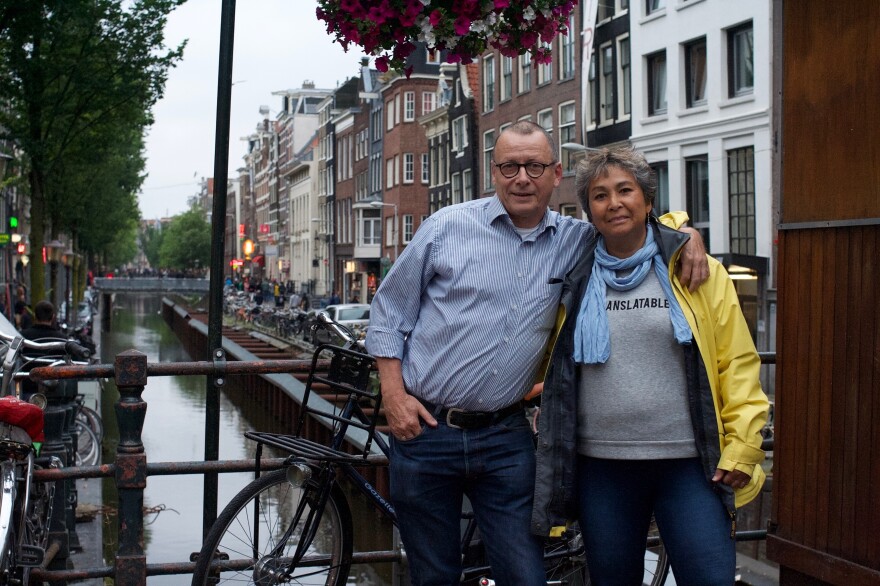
(88, 447)
(91, 418)
(230, 540)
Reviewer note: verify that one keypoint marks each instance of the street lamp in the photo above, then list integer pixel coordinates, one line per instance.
(380, 204)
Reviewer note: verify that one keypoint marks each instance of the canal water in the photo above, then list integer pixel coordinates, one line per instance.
(174, 432)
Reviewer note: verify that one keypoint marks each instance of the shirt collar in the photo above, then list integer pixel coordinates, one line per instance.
(495, 209)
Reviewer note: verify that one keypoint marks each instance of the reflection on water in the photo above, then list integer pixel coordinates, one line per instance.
(174, 431)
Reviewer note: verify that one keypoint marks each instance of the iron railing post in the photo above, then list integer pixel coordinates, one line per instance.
(131, 467)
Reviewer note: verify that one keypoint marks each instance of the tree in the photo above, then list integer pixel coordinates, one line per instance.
(71, 71)
(186, 243)
(151, 242)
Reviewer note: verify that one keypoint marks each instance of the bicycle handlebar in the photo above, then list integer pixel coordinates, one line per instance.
(68, 347)
(340, 330)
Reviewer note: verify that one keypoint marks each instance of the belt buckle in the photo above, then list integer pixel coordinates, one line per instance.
(449, 413)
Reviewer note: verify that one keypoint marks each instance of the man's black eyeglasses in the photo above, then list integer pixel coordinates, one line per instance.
(533, 169)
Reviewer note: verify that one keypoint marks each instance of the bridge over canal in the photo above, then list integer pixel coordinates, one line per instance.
(151, 285)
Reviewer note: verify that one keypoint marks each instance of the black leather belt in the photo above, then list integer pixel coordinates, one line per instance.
(464, 419)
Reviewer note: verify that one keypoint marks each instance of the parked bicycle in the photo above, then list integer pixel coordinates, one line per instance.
(294, 525)
(26, 506)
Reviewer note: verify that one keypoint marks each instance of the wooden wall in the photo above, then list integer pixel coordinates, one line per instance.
(825, 524)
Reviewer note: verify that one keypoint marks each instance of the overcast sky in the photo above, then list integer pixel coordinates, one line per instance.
(278, 45)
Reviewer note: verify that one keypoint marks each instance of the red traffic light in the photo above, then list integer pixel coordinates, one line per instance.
(20, 248)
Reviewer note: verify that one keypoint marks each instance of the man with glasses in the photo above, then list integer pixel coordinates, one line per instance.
(459, 327)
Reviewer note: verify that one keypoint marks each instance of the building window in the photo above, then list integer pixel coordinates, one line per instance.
(566, 134)
(409, 167)
(389, 231)
(376, 124)
(605, 10)
(429, 100)
(456, 188)
(467, 185)
(593, 97)
(376, 172)
(697, 189)
(370, 227)
(606, 97)
(568, 210)
(488, 150)
(652, 6)
(657, 83)
(525, 72)
(624, 81)
(695, 73)
(545, 70)
(545, 119)
(566, 50)
(506, 78)
(741, 190)
(433, 56)
(426, 168)
(389, 115)
(488, 83)
(740, 61)
(459, 134)
(661, 199)
(389, 173)
(409, 106)
(407, 228)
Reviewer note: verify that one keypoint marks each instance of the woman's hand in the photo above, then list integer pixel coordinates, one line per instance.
(732, 478)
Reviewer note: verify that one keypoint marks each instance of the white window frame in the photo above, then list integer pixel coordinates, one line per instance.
(488, 153)
(524, 81)
(567, 48)
(506, 88)
(545, 70)
(545, 119)
(409, 167)
(409, 106)
(459, 135)
(429, 102)
(407, 228)
(426, 168)
(567, 133)
(656, 108)
(624, 78)
(467, 185)
(456, 188)
(389, 115)
(606, 83)
(488, 83)
(389, 173)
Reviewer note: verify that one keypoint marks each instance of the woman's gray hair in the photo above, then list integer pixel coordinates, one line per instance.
(625, 157)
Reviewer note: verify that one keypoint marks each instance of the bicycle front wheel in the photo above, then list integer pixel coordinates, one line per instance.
(256, 535)
(88, 446)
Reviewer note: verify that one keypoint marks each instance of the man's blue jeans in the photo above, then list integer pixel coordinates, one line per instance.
(495, 468)
(617, 498)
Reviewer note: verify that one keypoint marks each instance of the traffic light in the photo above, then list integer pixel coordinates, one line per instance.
(21, 248)
(13, 222)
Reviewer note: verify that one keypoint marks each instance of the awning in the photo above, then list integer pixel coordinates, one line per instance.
(258, 260)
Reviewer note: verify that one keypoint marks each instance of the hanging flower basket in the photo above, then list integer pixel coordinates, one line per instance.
(389, 29)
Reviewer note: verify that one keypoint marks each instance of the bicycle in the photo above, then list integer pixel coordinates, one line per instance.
(89, 429)
(26, 507)
(294, 525)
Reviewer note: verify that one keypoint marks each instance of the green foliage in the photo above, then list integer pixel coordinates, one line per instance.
(186, 241)
(151, 241)
(78, 79)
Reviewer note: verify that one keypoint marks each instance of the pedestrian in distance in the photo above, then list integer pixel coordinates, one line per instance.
(334, 298)
(658, 385)
(458, 328)
(43, 329)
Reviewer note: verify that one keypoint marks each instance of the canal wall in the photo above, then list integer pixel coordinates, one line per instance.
(278, 394)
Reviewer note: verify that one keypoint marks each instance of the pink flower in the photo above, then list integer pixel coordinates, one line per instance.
(501, 4)
(435, 17)
(382, 63)
(462, 26)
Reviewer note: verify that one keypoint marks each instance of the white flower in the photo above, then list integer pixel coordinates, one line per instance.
(529, 14)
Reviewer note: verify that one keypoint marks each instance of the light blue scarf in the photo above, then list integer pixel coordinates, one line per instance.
(592, 342)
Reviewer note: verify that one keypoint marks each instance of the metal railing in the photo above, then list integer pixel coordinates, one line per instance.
(130, 470)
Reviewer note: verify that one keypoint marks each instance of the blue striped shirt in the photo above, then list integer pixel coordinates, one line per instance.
(469, 305)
